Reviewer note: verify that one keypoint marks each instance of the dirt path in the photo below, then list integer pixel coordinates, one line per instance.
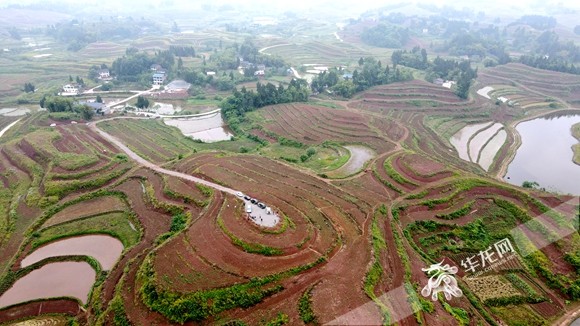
(154, 167)
(131, 97)
(8, 127)
(271, 46)
(568, 318)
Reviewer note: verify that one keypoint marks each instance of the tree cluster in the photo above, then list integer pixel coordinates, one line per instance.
(371, 74)
(235, 106)
(63, 104)
(131, 66)
(550, 63)
(537, 21)
(417, 58)
(142, 102)
(385, 36)
(182, 51)
(29, 88)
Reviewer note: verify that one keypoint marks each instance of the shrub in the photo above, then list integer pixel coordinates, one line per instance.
(305, 307)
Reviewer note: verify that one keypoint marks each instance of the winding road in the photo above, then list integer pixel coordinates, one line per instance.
(145, 163)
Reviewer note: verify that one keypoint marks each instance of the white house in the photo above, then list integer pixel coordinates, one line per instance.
(104, 74)
(71, 88)
(158, 79)
(210, 73)
(259, 73)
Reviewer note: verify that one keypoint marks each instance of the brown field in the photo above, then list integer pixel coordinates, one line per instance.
(313, 125)
(87, 208)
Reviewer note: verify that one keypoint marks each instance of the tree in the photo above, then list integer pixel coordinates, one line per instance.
(142, 102)
(345, 88)
(99, 99)
(530, 184)
(29, 88)
(85, 111)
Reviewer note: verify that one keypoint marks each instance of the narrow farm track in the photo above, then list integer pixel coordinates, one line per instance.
(154, 167)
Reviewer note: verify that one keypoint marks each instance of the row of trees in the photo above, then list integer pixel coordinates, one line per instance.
(235, 106)
(372, 73)
(182, 51)
(550, 63)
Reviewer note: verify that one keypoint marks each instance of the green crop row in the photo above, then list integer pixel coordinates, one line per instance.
(253, 248)
(391, 172)
(521, 285)
(69, 176)
(460, 186)
(200, 305)
(305, 307)
(179, 196)
(513, 300)
(62, 188)
(385, 182)
(458, 213)
(161, 205)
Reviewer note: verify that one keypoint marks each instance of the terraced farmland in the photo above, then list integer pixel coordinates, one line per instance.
(533, 86)
(319, 53)
(415, 95)
(313, 125)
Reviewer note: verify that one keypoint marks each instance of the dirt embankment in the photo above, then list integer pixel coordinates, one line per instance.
(576, 148)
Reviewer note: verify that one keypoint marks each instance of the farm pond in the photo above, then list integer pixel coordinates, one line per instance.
(60, 279)
(359, 156)
(105, 249)
(545, 155)
(207, 128)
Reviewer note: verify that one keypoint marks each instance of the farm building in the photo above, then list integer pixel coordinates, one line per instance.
(177, 86)
(210, 73)
(99, 108)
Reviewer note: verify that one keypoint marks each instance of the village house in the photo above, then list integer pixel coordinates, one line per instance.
(156, 67)
(72, 89)
(104, 74)
(159, 78)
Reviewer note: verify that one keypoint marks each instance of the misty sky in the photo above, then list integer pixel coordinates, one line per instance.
(310, 3)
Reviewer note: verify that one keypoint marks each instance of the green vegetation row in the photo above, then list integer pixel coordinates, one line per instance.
(59, 188)
(115, 224)
(253, 248)
(391, 172)
(373, 276)
(305, 307)
(458, 213)
(201, 305)
(386, 182)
